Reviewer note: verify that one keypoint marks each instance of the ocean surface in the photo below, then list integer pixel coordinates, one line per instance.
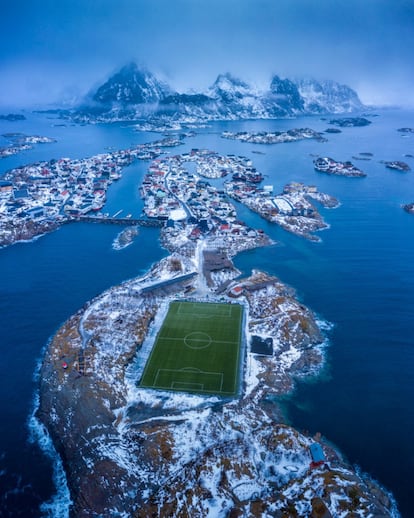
(360, 279)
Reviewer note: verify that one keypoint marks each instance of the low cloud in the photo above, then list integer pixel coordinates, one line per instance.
(52, 51)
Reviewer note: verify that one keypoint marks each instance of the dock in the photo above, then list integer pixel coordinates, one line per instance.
(154, 223)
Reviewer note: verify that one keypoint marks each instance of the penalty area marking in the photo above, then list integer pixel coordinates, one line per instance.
(196, 313)
(183, 373)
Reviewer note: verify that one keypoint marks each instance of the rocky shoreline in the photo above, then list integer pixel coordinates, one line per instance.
(139, 452)
(131, 451)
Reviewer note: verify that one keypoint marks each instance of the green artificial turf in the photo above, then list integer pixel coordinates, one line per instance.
(197, 349)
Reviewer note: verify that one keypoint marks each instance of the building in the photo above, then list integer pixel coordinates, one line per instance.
(317, 455)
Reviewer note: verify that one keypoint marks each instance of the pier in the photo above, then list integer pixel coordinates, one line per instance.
(155, 223)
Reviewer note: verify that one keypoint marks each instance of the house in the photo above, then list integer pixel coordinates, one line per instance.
(6, 188)
(317, 455)
(20, 194)
(35, 212)
(236, 291)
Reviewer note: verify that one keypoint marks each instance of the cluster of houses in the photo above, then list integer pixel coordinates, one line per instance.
(172, 191)
(60, 189)
(292, 202)
(188, 202)
(331, 166)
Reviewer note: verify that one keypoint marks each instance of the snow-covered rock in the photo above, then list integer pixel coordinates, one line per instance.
(131, 85)
(327, 97)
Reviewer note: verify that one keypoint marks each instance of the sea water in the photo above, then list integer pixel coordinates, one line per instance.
(360, 278)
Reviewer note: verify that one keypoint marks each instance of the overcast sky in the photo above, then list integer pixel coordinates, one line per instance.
(55, 49)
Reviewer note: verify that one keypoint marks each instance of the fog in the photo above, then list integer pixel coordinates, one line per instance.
(55, 52)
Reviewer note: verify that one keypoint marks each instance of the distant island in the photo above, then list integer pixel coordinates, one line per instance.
(398, 165)
(409, 208)
(350, 122)
(330, 166)
(274, 137)
(12, 117)
(21, 143)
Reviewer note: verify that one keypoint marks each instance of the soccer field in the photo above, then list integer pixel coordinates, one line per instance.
(197, 349)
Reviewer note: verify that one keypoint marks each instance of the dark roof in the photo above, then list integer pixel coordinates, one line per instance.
(21, 193)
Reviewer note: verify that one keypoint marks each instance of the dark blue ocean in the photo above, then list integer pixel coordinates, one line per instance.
(360, 279)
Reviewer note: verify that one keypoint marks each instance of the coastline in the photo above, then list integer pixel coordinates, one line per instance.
(327, 240)
(102, 423)
(88, 416)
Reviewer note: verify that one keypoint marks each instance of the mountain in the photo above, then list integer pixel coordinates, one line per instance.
(327, 97)
(134, 93)
(286, 94)
(228, 89)
(131, 86)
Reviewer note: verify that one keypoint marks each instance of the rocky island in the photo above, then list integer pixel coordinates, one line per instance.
(290, 209)
(350, 122)
(274, 137)
(397, 165)
(125, 238)
(409, 207)
(145, 452)
(330, 166)
(21, 143)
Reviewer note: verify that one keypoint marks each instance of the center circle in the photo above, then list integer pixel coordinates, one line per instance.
(197, 340)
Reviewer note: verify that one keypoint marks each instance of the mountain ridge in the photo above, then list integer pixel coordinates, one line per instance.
(134, 92)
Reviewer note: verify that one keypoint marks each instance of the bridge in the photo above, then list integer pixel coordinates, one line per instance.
(155, 223)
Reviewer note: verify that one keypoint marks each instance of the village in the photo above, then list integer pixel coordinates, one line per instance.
(290, 209)
(190, 203)
(39, 197)
(192, 206)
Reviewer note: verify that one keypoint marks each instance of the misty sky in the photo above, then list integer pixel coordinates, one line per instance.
(58, 49)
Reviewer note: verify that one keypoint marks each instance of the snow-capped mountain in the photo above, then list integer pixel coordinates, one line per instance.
(135, 93)
(228, 88)
(131, 86)
(327, 96)
(286, 95)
